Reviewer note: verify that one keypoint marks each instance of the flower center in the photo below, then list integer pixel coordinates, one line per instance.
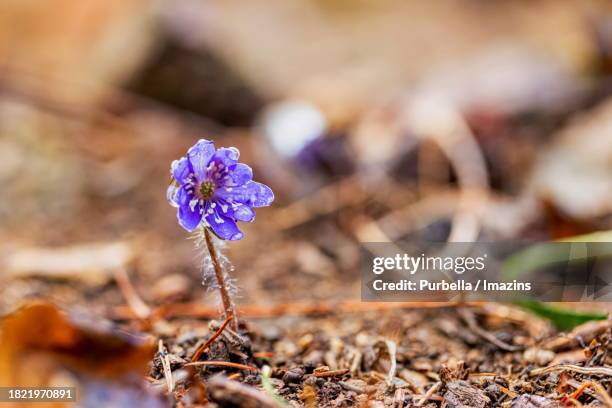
(207, 189)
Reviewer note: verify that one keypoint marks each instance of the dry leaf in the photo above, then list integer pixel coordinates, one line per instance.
(41, 346)
(91, 264)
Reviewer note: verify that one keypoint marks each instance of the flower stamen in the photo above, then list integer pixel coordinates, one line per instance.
(207, 189)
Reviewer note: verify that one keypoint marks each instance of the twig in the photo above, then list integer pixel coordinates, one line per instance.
(577, 384)
(428, 394)
(392, 349)
(469, 319)
(194, 310)
(603, 371)
(605, 397)
(165, 359)
(199, 351)
(439, 120)
(263, 354)
(234, 376)
(399, 398)
(222, 364)
(228, 306)
(582, 388)
(578, 392)
(585, 332)
(233, 393)
(345, 193)
(400, 222)
(392, 336)
(356, 362)
(351, 387)
(506, 391)
(332, 373)
(135, 302)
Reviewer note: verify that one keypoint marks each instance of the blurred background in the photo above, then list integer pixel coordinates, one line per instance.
(371, 120)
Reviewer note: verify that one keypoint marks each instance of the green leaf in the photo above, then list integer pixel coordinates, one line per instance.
(562, 318)
(269, 388)
(597, 236)
(544, 254)
(533, 258)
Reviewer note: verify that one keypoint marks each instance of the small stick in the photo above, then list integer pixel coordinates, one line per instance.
(579, 391)
(351, 387)
(192, 310)
(356, 362)
(392, 332)
(599, 390)
(506, 391)
(586, 332)
(469, 319)
(333, 373)
(605, 397)
(392, 348)
(222, 364)
(576, 384)
(263, 354)
(136, 304)
(199, 351)
(398, 398)
(228, 306)
(166, 366)
(232, 393)
(428, 394)
(485, 375)
(603, 371)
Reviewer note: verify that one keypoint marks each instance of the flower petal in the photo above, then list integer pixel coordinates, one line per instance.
(172, 194)
(243, 212)
(228, 156)
(236, 211)
(190, 210)
(199, 156)
(239, 175)
(251, 193)
(180, 170)
(222, 226)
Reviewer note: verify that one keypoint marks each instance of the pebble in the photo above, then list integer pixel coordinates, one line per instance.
(538, 356)
(293, 376)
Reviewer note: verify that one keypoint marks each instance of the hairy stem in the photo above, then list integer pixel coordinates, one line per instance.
(228, 306)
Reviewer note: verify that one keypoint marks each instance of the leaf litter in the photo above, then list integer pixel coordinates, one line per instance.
(539, 140)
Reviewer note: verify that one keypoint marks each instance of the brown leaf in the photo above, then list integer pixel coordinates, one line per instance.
(461, 394)
(90, 264)
(42, 346)
(533, 401)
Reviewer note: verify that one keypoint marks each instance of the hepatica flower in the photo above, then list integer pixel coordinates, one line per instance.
(212, 189)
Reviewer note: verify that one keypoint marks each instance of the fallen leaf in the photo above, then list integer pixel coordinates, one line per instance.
(461, 394)
(42, 346)
(533, 401)
(562, 317)
(91, 264)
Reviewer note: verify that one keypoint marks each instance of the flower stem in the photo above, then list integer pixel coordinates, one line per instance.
(228, 306)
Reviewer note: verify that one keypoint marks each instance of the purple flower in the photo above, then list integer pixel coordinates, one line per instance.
(210, 186)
